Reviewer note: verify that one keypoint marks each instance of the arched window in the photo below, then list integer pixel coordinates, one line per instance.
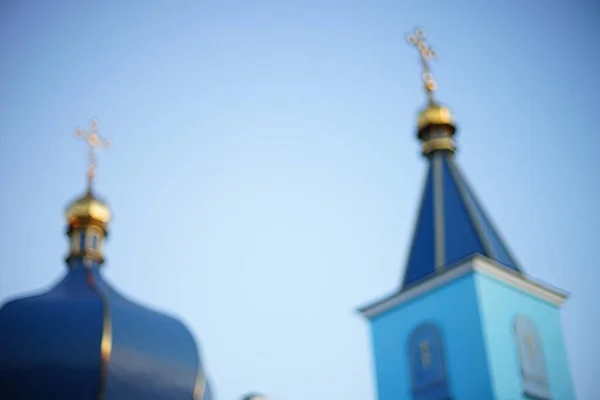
(427, 363)
(82, 241)
(531, 359)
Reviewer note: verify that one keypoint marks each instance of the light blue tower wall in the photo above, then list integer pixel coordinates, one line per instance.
(499, 305)
(454, 309)
(476, 316)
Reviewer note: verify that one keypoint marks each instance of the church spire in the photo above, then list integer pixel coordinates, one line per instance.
(435, 123)
(451, 224)
(463, 292)
(88, 217)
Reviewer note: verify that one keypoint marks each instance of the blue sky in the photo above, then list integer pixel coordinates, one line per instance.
(265, 176)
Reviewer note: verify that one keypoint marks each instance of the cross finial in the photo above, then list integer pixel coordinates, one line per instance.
(425, 353)
(95, 142)
(417, 39)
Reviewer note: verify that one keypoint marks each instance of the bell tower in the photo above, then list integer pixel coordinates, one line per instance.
(466, 323)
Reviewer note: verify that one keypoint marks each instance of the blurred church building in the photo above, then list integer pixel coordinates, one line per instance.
(466, 323)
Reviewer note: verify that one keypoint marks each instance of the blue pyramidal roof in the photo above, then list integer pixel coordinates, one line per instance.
(451, 225)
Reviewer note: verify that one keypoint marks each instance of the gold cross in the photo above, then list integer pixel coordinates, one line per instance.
(425, 354)
(427, 54)
(529, 345)
(95, 142)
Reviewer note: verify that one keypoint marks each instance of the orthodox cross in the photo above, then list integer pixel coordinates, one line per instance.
(425, 354)
(95, 142)
(427, 54)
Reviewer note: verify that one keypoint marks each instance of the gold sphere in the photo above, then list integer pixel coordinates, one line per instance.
(435, 115)
(88, 210)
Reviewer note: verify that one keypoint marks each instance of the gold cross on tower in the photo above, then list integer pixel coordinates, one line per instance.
(425, 354)
(530, 348)
(94, 142)
(427, 54)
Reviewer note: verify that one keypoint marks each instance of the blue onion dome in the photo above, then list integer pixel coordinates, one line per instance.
(82, 339)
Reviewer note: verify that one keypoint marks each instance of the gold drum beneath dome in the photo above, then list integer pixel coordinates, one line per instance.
(437, 144)
(435, 115)
(88, 208)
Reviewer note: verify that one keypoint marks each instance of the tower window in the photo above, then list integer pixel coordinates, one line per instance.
(427, 363)
(82, 241)
(531, 359)
(95, 242)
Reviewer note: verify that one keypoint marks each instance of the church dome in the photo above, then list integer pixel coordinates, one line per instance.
(88, 208)
(82, 339)
(434, 115)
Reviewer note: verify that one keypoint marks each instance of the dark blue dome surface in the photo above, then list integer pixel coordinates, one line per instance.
(83, 340)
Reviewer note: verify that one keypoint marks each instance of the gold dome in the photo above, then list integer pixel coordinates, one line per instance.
(441, 137)
(88, 210)
(435, 114)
